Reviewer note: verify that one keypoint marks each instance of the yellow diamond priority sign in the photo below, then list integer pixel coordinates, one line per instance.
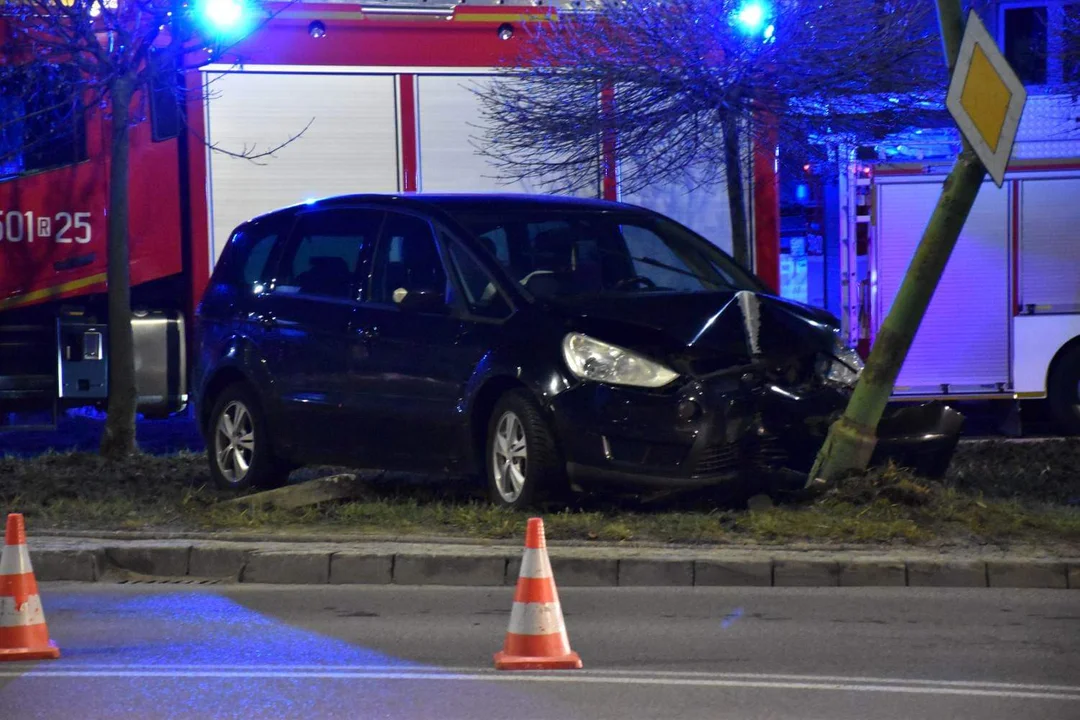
(986, 98)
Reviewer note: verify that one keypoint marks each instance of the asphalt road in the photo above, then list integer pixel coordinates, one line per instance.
(170, 651)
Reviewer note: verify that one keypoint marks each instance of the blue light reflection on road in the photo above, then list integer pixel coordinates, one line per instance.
(206, 629)
(195, 628)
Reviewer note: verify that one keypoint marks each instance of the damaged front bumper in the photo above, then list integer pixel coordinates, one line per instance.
(920, 437)
(707, 434)
(761, 382)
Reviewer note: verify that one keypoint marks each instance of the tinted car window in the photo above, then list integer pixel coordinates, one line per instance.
(496, 243)
(481, 294)
(258, 254)
(407, 258)
(324, 251)
(670, 270)
(565, 253)
(247, 258)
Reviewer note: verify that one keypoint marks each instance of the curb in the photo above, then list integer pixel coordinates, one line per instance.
(413, 564)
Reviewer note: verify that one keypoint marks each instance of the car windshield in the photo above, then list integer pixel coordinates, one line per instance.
(560, 253)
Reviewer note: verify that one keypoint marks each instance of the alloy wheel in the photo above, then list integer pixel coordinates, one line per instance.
(509, 457)
(234, 441)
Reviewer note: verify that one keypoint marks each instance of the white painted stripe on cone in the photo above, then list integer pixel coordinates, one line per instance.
(29, 613)
(536, 619)
(535, 564)
(15, 560)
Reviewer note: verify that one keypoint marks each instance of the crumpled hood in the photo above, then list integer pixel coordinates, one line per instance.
(727, 328)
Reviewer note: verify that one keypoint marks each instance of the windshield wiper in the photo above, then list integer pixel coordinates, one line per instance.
(665, 266)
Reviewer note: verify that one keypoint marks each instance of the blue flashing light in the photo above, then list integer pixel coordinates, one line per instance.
(222, 15)
(751, 17)
(769, 32)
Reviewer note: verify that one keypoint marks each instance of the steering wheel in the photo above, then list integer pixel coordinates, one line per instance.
(635, 280)
(525, 280)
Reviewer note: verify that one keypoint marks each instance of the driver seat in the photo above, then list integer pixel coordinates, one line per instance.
(558, 252)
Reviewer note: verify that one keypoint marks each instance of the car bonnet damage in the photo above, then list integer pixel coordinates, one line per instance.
(761, 380)
(796, 377)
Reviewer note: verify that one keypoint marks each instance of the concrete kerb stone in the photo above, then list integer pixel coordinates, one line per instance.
(873, 573)
(361, 568)
(58, 559)
(806, 573)
(446, 569)
(157, 561)
(584, 572)
(946, 573)
(71, 565)
(1029, 574)
(218, 561)
(737, 573)
(646, 572)
(293, 567)
(573, 571)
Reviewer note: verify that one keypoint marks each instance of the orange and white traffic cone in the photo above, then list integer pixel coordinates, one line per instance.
(23, 633)
(536, 638)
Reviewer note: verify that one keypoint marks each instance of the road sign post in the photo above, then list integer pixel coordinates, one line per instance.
(986, 99)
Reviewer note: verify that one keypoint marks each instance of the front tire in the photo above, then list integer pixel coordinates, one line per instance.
(1063, 391)
(522, 459)
(239, 444)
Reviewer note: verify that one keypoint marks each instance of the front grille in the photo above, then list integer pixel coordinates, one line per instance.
(717, 459)
(766, 450)
(732, 457)
(656, 455)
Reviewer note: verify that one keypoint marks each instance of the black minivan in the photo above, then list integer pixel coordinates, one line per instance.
(545, 343)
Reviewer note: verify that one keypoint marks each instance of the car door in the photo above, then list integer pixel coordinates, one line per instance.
(421, 349)
(307, 315)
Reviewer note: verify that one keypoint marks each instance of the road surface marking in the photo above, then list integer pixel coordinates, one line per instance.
(733, 680)
(470, 670)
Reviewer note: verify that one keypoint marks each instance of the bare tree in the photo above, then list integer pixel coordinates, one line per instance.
(1070, 50)
(678, 87)
(66, 59)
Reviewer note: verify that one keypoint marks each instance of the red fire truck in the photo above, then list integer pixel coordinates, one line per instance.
(1004, 323)
(385, 92)
(388, 91)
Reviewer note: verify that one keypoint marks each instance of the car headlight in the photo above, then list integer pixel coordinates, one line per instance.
(590, 359)
(843, 367)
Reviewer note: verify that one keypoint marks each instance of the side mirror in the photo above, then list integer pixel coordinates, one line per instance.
(420, 300)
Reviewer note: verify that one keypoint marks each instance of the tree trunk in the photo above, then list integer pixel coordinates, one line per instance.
(850, 443)
(740, 239)
(118, 440)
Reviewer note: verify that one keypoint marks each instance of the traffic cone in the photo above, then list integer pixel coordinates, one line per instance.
(23, 633)
(536, 638)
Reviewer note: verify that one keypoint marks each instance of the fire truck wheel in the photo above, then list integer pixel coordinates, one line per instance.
(238, 446)
(1063, 391)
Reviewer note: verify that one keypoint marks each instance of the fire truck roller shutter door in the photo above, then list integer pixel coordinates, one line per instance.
(349, 147)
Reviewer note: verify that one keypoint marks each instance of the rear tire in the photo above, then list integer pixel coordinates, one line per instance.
(239, 444)
(1063, 391)
(522, 460)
